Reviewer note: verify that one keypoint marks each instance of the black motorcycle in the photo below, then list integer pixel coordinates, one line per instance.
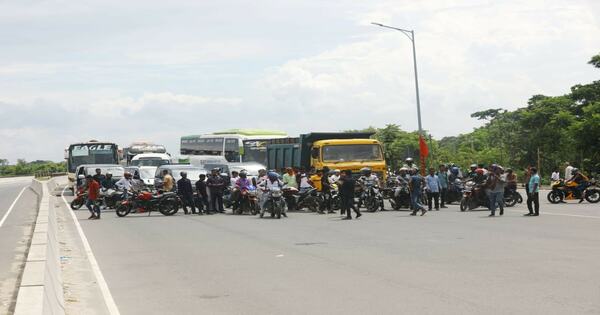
(371, 197)
(455, 191)
(512, 197)
(474, 196)
(400, 197)
(274, 204)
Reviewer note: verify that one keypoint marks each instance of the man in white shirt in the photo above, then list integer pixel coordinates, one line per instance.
(568, 171)
(233, 179)
(125, 182)
(555, 175)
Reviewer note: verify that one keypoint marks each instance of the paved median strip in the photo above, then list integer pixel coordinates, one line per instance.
(40, 290)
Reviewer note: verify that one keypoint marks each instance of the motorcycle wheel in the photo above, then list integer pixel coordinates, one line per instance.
(335, 204)
(123, 210)
(519, 198)
(592, 195)
(77, 203)
(463, 204)
(253, 208)
(168, 207)
(510, 201)
(278, 211)
(371, 205)
(554, 197)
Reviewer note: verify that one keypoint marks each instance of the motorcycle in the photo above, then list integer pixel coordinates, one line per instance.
(455, 191)
(143, 201)
(371, 198)
(562, 192)
(110, 197)
(512, 197)
(473, 196)
(400, 197)
(80, 198)
(247, 202)
(274, 203)
(309, 199)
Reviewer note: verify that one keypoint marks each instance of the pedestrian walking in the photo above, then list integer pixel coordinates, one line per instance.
(346, 190)
(415, 186)
(533, 195)
(202, 195)
(443, 178)
(91, 203)
(432, 186)
(216, 184)
(186, 193)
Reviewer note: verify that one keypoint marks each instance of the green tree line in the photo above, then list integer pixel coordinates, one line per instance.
(30, 168)
(550, 130)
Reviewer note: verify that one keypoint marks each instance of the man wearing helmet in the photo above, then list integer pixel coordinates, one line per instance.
(271, 182)
(126, 182)
(578, 180)
(216, 184)
(186, 193)
(409, 164)
(366, 177)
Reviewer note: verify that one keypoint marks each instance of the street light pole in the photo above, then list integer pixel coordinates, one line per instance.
(411, 36)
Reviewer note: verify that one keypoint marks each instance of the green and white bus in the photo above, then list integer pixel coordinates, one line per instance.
(235, 145)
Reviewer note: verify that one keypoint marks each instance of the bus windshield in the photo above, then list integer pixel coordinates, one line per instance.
(352, 152)
(149, 162)
(92, 153)
(255, 151)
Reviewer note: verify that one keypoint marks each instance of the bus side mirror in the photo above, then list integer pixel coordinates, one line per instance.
(314, 153)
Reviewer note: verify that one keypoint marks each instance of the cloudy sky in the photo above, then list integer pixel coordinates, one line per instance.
(157, 70)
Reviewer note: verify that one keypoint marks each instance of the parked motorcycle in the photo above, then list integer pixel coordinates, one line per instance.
(111, 197)
(562, 192)
(143, 201)
(274, 203)
(308, 199)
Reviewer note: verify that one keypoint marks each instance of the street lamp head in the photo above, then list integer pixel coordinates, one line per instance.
(378, 24)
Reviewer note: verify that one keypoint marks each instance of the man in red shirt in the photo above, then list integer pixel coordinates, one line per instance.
(93, 192)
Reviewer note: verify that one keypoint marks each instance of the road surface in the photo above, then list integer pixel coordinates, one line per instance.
(18, 210)
(383, 263)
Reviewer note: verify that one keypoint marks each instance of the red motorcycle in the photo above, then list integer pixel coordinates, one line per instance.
(80, 198)
(144, 201)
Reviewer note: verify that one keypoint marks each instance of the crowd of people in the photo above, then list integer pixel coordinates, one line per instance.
(207, 195)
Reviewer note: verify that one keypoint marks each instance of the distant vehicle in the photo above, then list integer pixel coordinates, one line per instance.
(336, 150)
(91, 152)
(150, 159)
(193, 172)
(251, 168)
(141, 147)
(82, 171)
(236, 145)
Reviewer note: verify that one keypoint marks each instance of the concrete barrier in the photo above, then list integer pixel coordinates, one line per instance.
(40, 291)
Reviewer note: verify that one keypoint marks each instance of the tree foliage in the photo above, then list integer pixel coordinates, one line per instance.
(561, 128)
(30, 168)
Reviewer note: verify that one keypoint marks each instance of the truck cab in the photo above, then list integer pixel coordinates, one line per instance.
(349, 154)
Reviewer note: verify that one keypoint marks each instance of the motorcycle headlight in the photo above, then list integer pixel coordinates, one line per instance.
(276, 194)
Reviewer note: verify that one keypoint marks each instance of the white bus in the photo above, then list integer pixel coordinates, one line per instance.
(91, 152)
(235, 145)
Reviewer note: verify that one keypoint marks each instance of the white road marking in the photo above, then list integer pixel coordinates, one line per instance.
(12, 206)
(108, 299)
(563, 214)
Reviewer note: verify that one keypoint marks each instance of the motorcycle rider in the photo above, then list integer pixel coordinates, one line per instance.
(234, 191)
(409, 164)
(335, 177)
(366, 177)
(271, 182)
(126, 182)
(108, 182)
(216, 184)
(577, 181)
(472, 171)
(186, 193)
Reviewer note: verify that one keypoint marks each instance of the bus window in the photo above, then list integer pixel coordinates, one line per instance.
(232, 150)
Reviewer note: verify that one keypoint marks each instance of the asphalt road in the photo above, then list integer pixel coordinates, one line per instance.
(383, 263)
(15, 232)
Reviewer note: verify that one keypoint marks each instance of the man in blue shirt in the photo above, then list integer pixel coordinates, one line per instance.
(533, 194)
(415, 185)
(432, 185)
(443, 177)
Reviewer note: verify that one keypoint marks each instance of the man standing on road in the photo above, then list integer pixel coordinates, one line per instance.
(443, 178)
(202, 194)
(495, 187)
(415, 185)
(533, 196)
(186, 193)
(347, 195)
(432, 185)
(326, 189)
(93, 191)
(168, 181)
(216, 184)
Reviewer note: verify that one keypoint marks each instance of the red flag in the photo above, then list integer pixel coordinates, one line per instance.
(423, 149)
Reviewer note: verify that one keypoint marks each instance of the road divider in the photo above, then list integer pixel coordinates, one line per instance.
(40, 290)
